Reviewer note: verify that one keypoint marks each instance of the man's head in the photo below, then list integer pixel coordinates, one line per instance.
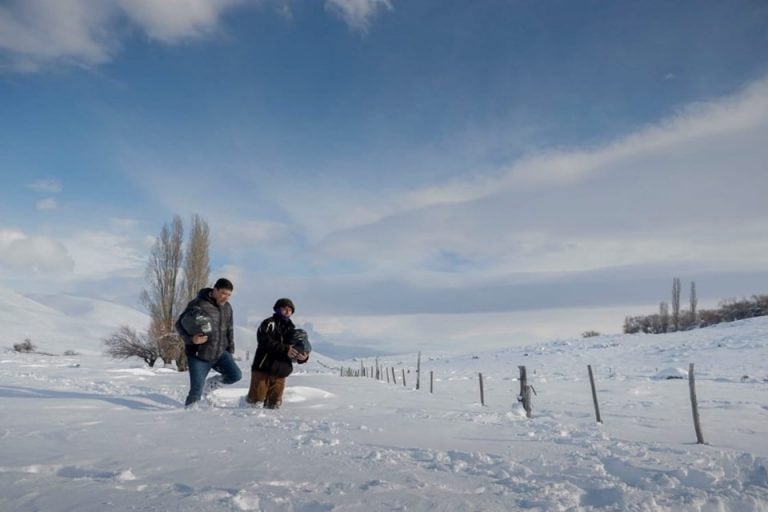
(284, 307)
(222, 291)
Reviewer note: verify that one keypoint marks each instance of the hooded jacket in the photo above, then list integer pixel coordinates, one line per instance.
(221, 338)
(274, 336)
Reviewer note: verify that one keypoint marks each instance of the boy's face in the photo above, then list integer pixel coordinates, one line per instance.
(286, 311)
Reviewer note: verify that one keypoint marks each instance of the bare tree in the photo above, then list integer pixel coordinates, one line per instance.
(197, 266)
(161, 295)
(694, 302)
(125, 343)
(664, 316)
(676, 303)
(196, 272)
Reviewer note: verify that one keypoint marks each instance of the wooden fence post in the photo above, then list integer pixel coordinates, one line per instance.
(418, 370)
(594, 394)
(695, 405)
(525, 392)
(394, 376)
(430, 381)
(482, 395)
(403, 369)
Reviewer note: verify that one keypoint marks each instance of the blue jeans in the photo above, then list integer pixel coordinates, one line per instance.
(198, 371)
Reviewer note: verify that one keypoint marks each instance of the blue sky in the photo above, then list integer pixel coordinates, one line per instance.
(403, 170)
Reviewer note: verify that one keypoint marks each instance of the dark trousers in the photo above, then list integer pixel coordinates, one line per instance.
(198, 371)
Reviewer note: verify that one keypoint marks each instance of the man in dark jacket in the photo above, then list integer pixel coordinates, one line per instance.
(207, 329)
(274, 355)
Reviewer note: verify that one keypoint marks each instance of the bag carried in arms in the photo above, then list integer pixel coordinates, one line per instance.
(300, 341)
(195, 322)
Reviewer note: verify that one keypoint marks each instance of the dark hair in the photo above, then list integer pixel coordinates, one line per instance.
(284, 303)
(224, 284)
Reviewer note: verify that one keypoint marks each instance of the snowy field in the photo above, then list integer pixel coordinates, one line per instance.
(86, 433)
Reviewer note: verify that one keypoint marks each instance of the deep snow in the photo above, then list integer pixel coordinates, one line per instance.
(86, 433)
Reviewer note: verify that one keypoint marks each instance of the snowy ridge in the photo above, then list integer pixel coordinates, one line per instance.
(86, 433)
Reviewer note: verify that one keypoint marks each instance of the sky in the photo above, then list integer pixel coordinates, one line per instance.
(409, 173)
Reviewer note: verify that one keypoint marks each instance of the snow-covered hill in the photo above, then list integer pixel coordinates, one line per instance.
(87, 433)
(58, 323)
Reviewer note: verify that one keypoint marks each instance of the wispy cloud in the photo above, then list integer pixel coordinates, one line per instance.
(48, 186)
(35, 33)
(38, 33)
(104, 254)
(171, 21)
(357, 13)
(48, 203)
(657, 195)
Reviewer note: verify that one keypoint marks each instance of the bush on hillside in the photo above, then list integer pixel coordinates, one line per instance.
(25, 346)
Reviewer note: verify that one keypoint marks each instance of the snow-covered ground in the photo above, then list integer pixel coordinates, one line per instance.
(86, 433)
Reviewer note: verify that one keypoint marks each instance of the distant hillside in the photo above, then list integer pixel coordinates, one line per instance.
(56, 323)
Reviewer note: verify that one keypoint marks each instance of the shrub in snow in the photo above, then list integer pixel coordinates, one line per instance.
(126, 343)
(24, 346)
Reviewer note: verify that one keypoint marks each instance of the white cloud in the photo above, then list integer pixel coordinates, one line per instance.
(121, 224)
(689, 188)
(84, 255)
(47, 204)
(34, 255)
(34, 33)
(170, 21)
(357, 13)
(252, 231)
(101, 254)
(49, 186)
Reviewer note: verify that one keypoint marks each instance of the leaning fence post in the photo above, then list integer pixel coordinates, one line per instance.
(403, 369)
(695, 405)
(525, 392)
(394, 376)
(482, 395)
(418, 370)
(594, 394)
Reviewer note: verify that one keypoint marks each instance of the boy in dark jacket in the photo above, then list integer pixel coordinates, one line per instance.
(274, 357)
(207, 329)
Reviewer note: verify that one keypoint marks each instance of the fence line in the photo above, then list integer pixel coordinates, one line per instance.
(527, 391)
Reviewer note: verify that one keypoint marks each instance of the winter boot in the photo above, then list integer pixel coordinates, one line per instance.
(211, 385)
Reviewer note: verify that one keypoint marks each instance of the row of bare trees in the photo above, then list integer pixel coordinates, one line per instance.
(666, 321)
(174, 275)
(692, 318)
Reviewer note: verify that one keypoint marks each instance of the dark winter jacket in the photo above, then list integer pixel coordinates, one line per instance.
(274, 336)
(221, 337)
